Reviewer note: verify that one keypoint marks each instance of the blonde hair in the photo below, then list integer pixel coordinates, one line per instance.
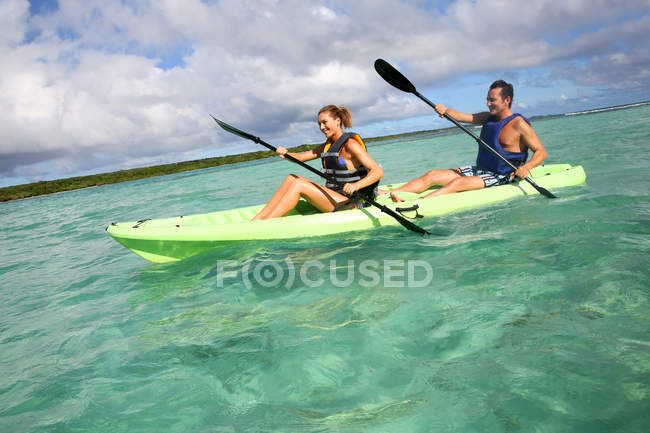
(342, 113)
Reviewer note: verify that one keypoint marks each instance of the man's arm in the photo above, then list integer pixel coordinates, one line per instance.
(528, 138)
(476, 118)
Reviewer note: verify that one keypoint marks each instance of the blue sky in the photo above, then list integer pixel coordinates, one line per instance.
(89, 86)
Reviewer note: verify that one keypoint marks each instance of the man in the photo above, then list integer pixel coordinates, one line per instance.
(509, 134)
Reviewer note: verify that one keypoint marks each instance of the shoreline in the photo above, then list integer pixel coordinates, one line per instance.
(48, 187)
(56, 186)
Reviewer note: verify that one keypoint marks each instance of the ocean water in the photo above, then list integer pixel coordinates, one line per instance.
(530, 315)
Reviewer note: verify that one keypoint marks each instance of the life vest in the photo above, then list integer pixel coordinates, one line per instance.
(336, 167)
(490, 134)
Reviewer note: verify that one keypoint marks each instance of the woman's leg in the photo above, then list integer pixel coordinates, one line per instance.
(276, 197)
(287, 196)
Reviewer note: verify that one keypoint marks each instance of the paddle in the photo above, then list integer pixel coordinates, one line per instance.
(396, 79)
(402, 220)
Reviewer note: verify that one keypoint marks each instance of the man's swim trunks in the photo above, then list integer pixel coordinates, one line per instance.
(490, 178)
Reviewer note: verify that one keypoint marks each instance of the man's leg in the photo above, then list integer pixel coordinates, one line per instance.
(432, 177)
(461, 183)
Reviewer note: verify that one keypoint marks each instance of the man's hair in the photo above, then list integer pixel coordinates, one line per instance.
(506, 90)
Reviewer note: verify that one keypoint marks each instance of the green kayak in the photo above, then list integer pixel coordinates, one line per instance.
(170, 239)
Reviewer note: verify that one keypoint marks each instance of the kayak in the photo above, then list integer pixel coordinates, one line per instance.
(171, 239)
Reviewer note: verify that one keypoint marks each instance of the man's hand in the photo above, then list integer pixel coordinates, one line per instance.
(522, 172)
(441, 109)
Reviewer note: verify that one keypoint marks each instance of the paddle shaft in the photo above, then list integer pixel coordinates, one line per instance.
(297, 161)
(397, 79)
(403, 221)
(461, 126)
(406, 223)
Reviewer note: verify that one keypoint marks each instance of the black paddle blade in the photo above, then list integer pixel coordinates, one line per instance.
(409, 225)
(234, 130)
(543, 191)
(393, 76)
(400, 219)
(546, 193)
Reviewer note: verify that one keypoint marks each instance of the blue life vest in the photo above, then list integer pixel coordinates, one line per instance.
(490, 134)
(335, 166)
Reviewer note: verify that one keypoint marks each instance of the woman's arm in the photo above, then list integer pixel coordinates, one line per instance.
(359, 154)
(307, 155)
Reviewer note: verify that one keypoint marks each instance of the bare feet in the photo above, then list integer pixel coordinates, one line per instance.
(382, 191)
(395, 198)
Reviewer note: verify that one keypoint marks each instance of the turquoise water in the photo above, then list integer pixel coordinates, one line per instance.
(530, 315)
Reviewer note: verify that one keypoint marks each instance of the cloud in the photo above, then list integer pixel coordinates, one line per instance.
(92, 86)
(13, 17)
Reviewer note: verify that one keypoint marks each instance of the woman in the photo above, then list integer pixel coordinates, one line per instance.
(344, 158)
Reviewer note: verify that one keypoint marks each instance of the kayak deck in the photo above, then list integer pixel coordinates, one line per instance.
(170, 239)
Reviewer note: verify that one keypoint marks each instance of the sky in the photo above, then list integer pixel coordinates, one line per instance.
(90, 86)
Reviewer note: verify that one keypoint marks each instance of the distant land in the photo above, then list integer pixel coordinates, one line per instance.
(72, 183)
(615, 107)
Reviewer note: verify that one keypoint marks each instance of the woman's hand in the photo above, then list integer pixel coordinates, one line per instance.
(281, 151)
(350, 188)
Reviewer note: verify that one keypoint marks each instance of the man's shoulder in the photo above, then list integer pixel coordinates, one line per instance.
(520, 123)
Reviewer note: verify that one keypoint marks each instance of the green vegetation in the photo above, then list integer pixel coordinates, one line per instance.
(60, 185)
(72, 183)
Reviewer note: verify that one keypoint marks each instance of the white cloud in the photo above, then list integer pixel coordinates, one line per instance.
(82, 86)
(13, 17)
(324, 13)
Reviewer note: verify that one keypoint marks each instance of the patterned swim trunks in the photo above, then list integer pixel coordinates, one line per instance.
(490, 178)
